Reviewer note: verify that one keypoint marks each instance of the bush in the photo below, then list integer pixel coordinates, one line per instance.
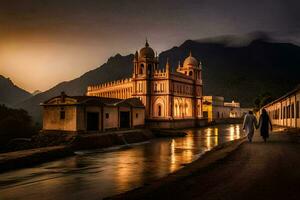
(14, 123)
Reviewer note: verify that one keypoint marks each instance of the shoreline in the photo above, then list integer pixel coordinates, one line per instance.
(30, 157)
(27, 158)
(216, 154)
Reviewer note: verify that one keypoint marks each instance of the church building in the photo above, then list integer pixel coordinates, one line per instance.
(168, 96)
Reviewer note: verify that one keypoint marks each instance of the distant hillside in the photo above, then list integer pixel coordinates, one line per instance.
(10, 94)
(235, 72)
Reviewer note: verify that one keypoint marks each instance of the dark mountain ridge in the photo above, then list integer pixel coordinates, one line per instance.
(235, 72)
(10, 94)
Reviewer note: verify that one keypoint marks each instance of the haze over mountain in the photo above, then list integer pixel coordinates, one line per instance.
(11, 94)
(233, 71)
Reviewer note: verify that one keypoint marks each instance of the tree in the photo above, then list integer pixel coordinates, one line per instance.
(14, 123)
(263, 100)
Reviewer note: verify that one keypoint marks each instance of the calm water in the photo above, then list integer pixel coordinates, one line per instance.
(95, 175)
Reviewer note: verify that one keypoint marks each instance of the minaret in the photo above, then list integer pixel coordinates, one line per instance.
(145, 63)
(135, 66)
(168, 68)
(178, 67)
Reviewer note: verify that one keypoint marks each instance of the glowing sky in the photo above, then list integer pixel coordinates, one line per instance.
(44, 42)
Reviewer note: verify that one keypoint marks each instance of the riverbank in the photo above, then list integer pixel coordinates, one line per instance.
(26, 158)
(63, 145)
(251, 171)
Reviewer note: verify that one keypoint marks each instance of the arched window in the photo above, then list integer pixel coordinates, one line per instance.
(190, 73)
(141, 69)
(159, 110)
(186, 109)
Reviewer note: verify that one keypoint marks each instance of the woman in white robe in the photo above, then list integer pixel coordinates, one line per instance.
(249, 125)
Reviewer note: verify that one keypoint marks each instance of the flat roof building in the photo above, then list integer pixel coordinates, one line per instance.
(91, 114)
(215, 109)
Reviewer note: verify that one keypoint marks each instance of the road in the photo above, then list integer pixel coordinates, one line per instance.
(253, 171)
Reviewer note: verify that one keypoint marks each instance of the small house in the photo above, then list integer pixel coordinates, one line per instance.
(91, 114)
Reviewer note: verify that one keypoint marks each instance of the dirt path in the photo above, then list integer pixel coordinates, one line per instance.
(253, 171)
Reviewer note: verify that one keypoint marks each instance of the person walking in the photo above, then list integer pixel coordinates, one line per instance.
(264, 122)
(249, 125)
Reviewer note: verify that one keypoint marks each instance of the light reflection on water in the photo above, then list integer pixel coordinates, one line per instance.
(97, 175)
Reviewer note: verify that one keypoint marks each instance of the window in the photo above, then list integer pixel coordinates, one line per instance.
(136, 115)
(190, 73)
(107, 115)
(284, 114)
(159, 110)
(62, 114)
(297, 109)
(141, 68)
(293, 111)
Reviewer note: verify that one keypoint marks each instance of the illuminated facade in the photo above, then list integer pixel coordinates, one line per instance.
(166, 95)
(285, 111)
(214, 108)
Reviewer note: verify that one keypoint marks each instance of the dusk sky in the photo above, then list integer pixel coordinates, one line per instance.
(44, 42)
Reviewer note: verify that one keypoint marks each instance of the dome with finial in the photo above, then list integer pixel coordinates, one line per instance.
(190, 61)
(147, 51)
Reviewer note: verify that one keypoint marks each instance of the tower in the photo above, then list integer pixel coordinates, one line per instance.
(191, 67)
(145, 64)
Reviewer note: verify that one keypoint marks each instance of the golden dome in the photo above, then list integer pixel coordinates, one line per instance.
(146, 52)
(190, 61)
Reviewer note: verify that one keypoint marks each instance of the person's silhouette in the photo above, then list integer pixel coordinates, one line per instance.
(264, 122)
(249, 125)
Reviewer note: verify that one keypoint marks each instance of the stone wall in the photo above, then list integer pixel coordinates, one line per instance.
(52, 121)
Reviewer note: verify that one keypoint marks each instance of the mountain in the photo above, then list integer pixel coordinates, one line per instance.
(10, 93)
(235, 72)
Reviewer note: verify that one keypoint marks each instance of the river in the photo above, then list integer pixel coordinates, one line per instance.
(97, 174)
